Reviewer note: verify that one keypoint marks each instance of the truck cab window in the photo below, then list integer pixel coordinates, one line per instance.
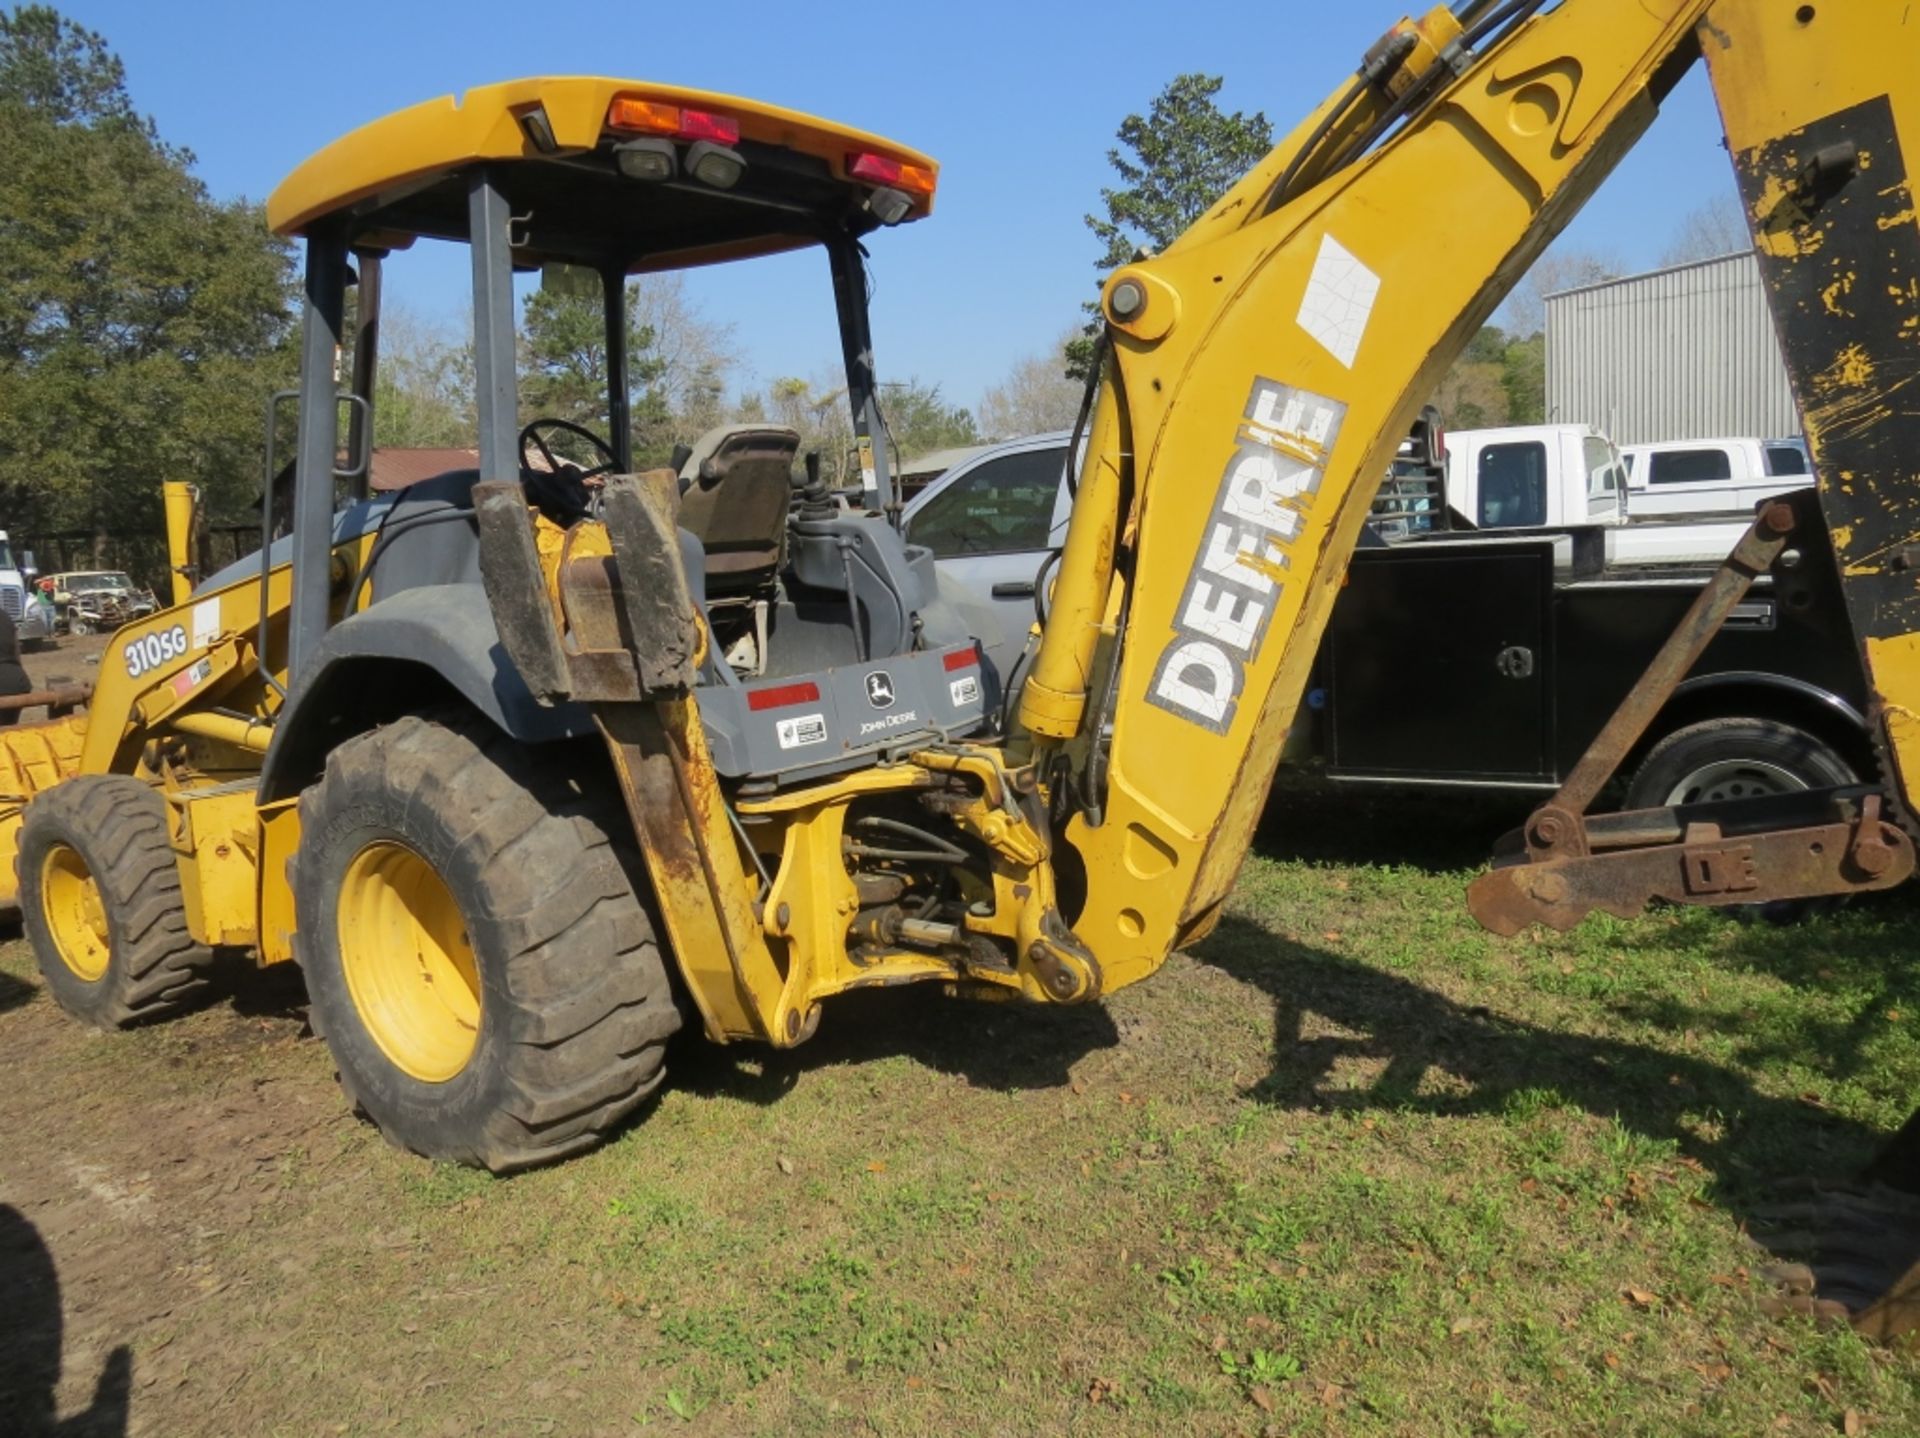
(1786, 459)
(1003, 507)
(1688, 466)
(1599, 458)
(1513, 485)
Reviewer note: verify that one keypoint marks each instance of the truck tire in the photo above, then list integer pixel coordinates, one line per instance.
(476, 955)
(100, 901)
(1734, 759)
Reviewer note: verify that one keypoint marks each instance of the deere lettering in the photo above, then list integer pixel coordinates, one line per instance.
(1246, 549)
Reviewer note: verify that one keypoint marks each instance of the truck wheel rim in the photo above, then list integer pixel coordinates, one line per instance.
(408, 962)
(1735, 779)
(75, 914)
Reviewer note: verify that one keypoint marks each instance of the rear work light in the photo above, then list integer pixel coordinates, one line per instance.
(783, 696)
(633, 116)
(894, 174)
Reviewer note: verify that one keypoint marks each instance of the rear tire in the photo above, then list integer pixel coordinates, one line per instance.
(1732, 759)
(478, 960)
(100, 901)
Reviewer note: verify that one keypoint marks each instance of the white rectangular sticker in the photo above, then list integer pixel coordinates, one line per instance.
(206, 623)
(965, 691)
(1339, 300)
(807, 729)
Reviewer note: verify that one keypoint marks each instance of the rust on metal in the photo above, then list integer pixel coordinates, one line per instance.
(662, 628)
(58, 701)
(1751, 557)
(1776, 854)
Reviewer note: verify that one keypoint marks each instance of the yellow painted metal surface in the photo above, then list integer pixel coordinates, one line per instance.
(216, 838)
(279, 840)
(182, 502)
(408, 962)
(1827, 170)
(75, 914)
(417, 145)
(32, 757)
(1256, 424)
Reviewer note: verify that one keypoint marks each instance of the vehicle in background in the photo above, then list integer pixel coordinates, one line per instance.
(98, 601)
(1712, 476)
(32, 622)
(1555, 476)
(917, 473)
(1534, 476)
(990, 522)
(1468, 653)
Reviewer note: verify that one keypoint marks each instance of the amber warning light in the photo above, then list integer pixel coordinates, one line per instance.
(634, 116)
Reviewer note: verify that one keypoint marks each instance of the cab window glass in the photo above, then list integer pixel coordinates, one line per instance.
(1003, 507)
(1688, 466)
(1513, 485)
(1598, 455)
(1786, 459)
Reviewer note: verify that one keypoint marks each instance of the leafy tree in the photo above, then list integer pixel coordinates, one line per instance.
(1173, 163)
(142, 324)
(423, 393)
(1034, 398)
(919, 421)
(676, 363)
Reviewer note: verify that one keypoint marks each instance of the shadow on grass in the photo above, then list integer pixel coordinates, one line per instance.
(1747, 1140)
(1008, 1048)
(1313, 820)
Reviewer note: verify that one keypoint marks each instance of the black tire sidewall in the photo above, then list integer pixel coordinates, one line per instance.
(54, 819)
(363, 808)
(1688, 750)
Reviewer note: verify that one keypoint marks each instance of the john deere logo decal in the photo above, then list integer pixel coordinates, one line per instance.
(880, 689)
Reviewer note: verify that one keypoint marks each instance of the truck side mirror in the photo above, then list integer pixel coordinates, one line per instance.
(27, 566)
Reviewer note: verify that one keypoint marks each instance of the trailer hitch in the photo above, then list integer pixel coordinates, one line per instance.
(1564, 864)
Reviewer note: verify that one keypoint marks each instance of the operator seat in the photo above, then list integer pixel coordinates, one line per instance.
(735, 488)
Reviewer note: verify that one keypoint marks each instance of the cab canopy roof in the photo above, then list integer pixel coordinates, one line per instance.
(580, 160)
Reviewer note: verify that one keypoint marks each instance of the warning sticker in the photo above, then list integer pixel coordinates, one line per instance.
(191, 678)
(965, 691)
(807, 729)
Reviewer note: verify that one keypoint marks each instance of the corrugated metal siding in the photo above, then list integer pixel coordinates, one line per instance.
(1685, 353)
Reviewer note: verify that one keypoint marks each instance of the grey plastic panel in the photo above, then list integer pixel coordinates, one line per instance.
(840, 716)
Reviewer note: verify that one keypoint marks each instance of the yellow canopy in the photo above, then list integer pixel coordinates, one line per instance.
(379, 169)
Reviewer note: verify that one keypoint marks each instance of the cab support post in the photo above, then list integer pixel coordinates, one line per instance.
(856, 340)
(318, 442)
(495, 387)
(613, 283)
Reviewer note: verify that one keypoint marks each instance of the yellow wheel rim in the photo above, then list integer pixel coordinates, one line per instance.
(408, 962)
(75, 915)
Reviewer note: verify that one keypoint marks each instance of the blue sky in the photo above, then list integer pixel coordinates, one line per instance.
(1018, 101)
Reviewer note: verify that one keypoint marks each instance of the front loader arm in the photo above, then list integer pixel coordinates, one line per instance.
(1262, 372)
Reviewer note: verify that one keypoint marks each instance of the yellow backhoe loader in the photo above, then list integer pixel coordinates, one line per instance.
(523, 764)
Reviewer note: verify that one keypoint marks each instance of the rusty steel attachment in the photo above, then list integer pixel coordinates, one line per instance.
(1562, 865)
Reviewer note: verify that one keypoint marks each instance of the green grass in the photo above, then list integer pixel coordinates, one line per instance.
(1352, 1167)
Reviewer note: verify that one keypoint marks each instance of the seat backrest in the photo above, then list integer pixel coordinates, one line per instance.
(734, 491)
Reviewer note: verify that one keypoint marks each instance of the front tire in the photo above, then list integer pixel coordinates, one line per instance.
(478, 960)
(100, 901)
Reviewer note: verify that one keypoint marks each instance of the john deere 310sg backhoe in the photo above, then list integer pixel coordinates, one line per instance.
(509, 761)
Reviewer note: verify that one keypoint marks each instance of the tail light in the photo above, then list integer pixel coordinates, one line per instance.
(633, 116)
(893, 174)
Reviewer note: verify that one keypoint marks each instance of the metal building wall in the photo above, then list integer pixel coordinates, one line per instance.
(1683, 353)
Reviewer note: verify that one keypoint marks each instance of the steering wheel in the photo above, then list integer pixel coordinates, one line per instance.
(530, 439)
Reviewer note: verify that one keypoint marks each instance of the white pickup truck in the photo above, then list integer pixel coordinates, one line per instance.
(1556, 475)
(1712, 476)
